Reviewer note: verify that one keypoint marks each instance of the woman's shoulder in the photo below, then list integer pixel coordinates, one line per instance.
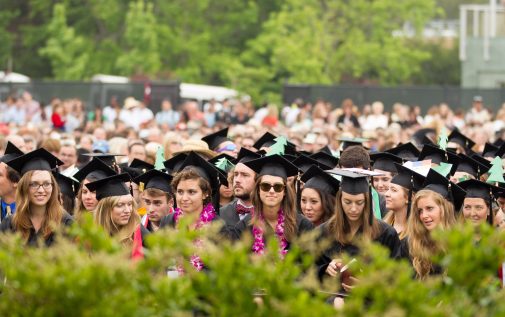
(303, 223)
(67, 219)
(167, 221)
(386, 229)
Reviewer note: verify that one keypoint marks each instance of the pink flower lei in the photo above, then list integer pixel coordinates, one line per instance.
(258, 246)
(206, 216)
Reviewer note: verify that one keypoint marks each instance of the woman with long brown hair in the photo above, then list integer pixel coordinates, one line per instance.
(352, 221)
(432, 208)
(274, 205)
(115, 212)
(39, 212)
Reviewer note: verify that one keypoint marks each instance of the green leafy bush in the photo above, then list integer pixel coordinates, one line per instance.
(89, 274)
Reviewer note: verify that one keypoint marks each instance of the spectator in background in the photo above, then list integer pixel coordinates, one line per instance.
(377, 119)
(57, 118)
(68, 155)
(224, 116)
(145, 114)
(111, 112)
(272, 118)
(167, 115)
(347, 119)
(136, 150)
(31, 106)
(210, 114)
(15, 113)
(478, 115)
(239, 114)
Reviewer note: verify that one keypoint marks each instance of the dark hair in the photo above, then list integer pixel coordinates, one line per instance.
(12, 174)
(355, 156)
(190, 172)
(155, 192)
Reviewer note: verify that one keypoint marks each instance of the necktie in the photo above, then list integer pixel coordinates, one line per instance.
(242, 210)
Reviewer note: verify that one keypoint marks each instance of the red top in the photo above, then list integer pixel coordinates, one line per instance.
(58, 123)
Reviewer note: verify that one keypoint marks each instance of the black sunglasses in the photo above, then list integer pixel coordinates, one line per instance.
(278, 187)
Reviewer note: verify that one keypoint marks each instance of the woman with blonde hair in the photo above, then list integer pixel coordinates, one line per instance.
(39, 212)
(115, 212)
(433, 208)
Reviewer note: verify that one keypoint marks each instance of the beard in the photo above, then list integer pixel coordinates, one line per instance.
(243, 196)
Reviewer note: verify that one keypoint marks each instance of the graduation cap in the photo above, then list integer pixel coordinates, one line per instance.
(501, 150)
(435, 154)
(245, 155)
(141, 165)
(354, 183)
(68, 186)
(459, 138)
(110, 186)
(409, 180)
(481, 160)
(205, 169)
(11, 152)
(325, 159)
(347, 142)
(326, 149)
(274, 165)
(489, 150)
(498, 142)
(267, 140)
(132, 171)
(94, 170)
(216, 138)
(155, 179)
(477, 189)
(450, 191)
(407, 151)
(471, 166)
(174, 163)
(385, 161)
(420, 137)
(223, 161)
(317, 178)
(39, 159)
(107, 158)
(304, 162)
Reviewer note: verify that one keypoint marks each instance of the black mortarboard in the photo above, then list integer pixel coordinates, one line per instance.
(347, 142)
(409, 180)
(325, 159)
(82, 159)
(433, 153)
(501, 150)
(107, 158)
(216, 138)
(274, 165)
(267, 140)
(141, 165)
(132, 171)
(155, 179)
(94, 170)
(39, 159)
(490, 150)
(498, 142)
(471, 166)
(245, 155)
(326, 149)
(174, 163)
(459, 138)
(354, 183)
(481, 160)
(385, 161)
(228, 166)
(205, 169)
(304, 162)
(420, 137)
(317, 178)
(11, 152)
(477, 189)
(407, 151)
(450, 191)
(68, 186)
(110, 186)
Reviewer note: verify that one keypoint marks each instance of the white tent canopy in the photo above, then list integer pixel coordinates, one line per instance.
(10, 77)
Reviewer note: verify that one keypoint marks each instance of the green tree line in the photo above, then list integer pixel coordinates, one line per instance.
(253, 46)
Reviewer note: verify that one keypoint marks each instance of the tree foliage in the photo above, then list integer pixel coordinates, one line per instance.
(254, 46)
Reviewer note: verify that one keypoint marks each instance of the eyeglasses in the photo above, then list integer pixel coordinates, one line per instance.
(230, 147)
(35, 186)
(278, 187)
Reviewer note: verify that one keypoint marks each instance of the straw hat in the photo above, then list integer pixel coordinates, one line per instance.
(197, 146)
(130, 103)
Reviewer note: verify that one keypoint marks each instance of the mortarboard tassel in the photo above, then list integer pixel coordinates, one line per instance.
(490, 214)
(371, 215)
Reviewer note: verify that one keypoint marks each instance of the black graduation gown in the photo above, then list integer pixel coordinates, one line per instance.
(8, 226)
(302, 224)
(229, 214)
(388, 237)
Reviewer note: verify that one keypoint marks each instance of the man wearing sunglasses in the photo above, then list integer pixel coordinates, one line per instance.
(243, 184)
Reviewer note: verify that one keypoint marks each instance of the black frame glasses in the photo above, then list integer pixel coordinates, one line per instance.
(35, 186)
